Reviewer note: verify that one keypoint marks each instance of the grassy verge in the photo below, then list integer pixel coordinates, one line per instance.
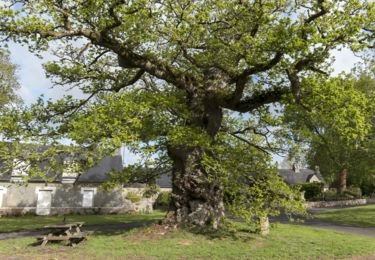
(363, 216)
(8, 224)
(284, 242)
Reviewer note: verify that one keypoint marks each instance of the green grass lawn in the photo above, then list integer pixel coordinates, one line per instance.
(8, 224)
(363, 216)
(284, 242)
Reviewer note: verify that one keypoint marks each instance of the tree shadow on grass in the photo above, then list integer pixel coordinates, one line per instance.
(117, 229)
(243, 234)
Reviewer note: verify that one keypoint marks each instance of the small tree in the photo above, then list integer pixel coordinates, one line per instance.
(351, 159)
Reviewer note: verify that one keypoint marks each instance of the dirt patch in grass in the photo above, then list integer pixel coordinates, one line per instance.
(153, 232)
(185, 242)
(369, 257)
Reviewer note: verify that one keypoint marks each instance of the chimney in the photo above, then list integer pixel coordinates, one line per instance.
(297, 164)
(317, 169)
(296, 167)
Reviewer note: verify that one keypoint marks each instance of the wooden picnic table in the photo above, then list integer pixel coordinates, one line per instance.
(64, 232)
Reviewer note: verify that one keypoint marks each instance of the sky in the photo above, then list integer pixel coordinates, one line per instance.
(34, 82)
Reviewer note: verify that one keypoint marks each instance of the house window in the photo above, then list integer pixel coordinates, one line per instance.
(3, 190)
(88, 197)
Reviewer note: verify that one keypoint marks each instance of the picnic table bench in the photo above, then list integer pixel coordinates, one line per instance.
(64, 232)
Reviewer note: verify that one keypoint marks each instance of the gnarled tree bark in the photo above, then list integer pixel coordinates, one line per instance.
(197, 198)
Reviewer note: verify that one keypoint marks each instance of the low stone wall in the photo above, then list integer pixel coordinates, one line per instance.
(339, 203)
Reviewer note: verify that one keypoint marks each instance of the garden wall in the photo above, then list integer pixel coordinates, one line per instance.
(339, 203)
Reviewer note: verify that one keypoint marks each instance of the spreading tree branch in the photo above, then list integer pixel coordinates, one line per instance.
(259, 99)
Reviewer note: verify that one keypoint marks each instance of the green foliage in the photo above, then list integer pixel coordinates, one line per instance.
(330, 193)
(332, 153)
(333, 195)
(151, 190)
(133, 196)
(354, 191)
(163, 200)
(311, 190)
(253, 187)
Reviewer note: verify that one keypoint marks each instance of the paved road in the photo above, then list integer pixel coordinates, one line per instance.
(316, 223)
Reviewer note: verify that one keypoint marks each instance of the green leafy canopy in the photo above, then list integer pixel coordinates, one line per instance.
(213, 77)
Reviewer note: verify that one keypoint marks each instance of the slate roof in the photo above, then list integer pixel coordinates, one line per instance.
(303, 176)
(164, 181)
(96, 174)
(100, 172)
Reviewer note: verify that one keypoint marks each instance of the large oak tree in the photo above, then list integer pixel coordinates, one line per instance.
(175, 77)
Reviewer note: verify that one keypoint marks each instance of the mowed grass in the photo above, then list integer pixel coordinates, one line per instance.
(363, 216)
(9, 224)
(284, 242)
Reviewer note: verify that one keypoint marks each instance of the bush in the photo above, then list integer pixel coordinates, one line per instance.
(354, 191)
(333, 195)
(368, 189)
(151, 190)
(133, 197)
(312, 190)
(330, 194)
(163, 200)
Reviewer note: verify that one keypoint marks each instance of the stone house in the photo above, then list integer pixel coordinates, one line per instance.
(296, 175)
(70, 193)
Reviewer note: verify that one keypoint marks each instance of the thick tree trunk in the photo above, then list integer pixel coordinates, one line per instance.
(197, 197)
(342, 180)
(196, 200)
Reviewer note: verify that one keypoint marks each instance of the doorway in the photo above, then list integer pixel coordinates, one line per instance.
(88, 198)
(43, 206)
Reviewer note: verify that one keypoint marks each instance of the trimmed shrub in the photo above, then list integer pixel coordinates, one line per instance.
(354, 191)
(311, 190)
(333, 195)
